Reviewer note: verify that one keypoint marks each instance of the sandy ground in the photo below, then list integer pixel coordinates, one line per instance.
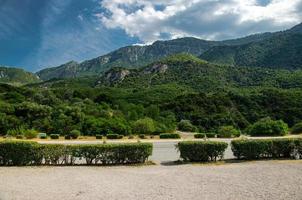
(250, 180)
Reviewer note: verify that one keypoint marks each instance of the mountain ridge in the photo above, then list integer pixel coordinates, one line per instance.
(136, 56)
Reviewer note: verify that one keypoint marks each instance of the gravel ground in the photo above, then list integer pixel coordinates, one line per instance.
(249, 180)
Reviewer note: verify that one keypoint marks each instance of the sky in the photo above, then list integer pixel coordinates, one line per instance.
(35, 34)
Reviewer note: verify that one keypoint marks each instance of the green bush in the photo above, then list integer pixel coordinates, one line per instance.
(67, 137)
(142, 136)
(169, 136)
(228, 132)
(30, 134)
(114, 136)
(18, 152)
(265, 148)
(297, 128)
(32, 153)
(199, 135)
(131, 137)
(42, 135)
(98, 137)
(185, 125)
(268, 127)
(211, 135)
(74, 134)
(201, 151)
(54, 136)
(19, 137)
(143, 126)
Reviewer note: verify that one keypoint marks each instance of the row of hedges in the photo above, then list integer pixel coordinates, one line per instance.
(169, 136)
(33, 153)
(267, 148)
(201, 151)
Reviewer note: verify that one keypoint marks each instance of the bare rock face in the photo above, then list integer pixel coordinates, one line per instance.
(157, 68)
(117, 76)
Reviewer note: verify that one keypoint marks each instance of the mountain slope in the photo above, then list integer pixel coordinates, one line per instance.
(130, 57)
(136, 56)
(189, 71)
(16, 76)
(279, 51)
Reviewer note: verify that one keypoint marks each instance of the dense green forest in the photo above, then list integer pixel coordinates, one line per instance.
(153, 99)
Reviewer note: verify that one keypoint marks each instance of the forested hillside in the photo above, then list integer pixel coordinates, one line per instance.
(156, 96)
(280, 51)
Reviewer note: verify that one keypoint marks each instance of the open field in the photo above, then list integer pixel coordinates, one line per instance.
(249, 180)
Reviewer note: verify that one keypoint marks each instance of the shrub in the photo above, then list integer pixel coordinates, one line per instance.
(32, 153)
(54, 136)
(30, 134)
(114, 136)
(228, 132)
(268, 127)
(130, 137)
(297, 128)
(143, 126)
(265, 148)
(17, 152)
(67, 137)
(185, 125)
(201, 151)
(199, 135)
(42, 135)
(19, 137)
(211, 135)
(74, 134)
(142, 136)
(98, 137)
(169, 136)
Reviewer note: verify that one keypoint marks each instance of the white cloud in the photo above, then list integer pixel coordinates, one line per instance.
(151, 20)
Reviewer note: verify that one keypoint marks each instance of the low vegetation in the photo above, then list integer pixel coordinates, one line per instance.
(268, 127)
(267, 148)
(228, 132)
(201, 151)
(17, 153)
(169, 136)
(297, 128)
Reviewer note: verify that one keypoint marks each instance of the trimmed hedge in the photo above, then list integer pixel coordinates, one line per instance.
(169, 136)
(211, 135)
(98, 137)
(201, 151)
(54, 136)
(32, 153)
(114, 136)
(199, 135)
(267, 148)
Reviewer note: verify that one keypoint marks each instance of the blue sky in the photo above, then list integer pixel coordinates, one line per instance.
(35, 34)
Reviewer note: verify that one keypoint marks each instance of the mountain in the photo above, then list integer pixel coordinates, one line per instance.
(275, 50)
(136, 56)
(188, 71)
(130, 57)
(16, 76)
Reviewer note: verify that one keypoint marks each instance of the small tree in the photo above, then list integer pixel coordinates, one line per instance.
(268, 127)
(143, 126)
(228, 132)
(30, 134)
(186, 125)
